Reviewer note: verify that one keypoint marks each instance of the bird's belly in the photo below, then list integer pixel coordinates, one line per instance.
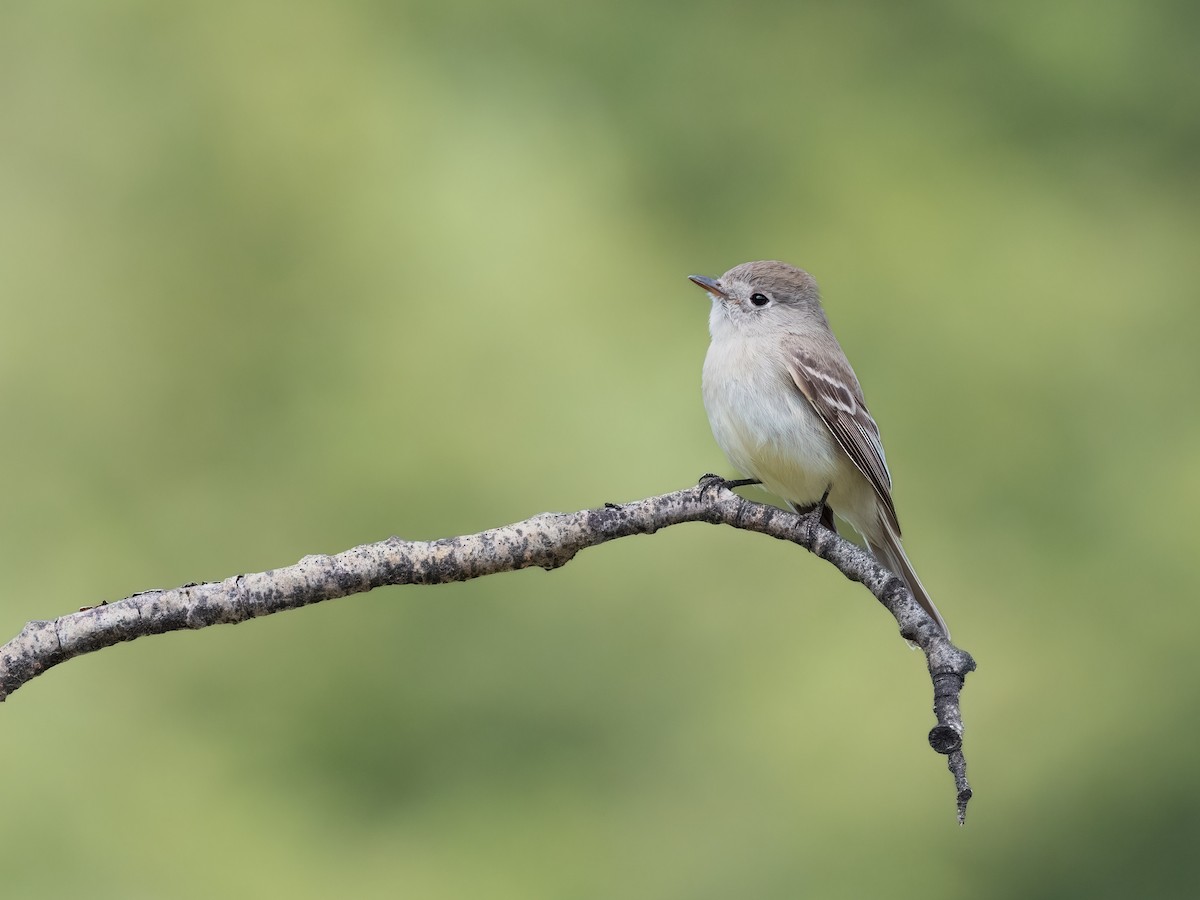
(768, 429)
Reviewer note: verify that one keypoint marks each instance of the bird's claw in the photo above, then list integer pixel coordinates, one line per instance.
(709, 480)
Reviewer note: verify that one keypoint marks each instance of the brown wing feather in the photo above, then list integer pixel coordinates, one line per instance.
(834, 393)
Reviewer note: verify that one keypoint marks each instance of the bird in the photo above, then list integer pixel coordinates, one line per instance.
(786, 408)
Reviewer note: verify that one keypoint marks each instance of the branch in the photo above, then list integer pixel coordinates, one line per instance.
(548, 540)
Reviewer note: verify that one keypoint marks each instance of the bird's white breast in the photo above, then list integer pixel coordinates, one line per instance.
(761, 420)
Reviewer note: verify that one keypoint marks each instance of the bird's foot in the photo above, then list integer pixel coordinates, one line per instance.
(709, 480)
(820, 511)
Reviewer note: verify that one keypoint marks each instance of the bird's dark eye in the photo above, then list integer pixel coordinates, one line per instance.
(759, 299)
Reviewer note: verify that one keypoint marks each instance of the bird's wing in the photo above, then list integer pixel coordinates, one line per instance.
(833, 391)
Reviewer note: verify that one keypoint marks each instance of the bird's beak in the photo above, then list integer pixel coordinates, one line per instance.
(709, 284)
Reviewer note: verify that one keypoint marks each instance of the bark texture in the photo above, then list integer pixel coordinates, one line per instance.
(548, 541)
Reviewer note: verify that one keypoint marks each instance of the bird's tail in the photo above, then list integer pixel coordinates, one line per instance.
(890, 552)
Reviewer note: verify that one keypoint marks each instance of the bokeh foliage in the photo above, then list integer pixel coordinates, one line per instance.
(280, 278)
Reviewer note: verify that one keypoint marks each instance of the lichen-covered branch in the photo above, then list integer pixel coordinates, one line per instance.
(548, 540)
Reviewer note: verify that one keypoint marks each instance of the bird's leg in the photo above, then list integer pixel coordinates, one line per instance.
(821, 509)
(710, 480)
(740, 482)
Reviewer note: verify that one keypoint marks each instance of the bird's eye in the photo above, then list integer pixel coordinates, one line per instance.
(759, 299)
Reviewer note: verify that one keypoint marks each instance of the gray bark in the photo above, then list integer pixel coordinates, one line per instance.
(548, 540)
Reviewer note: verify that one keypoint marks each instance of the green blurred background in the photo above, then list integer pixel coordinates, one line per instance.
(282, 278)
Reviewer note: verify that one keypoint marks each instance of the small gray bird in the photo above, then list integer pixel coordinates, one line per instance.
(787, 410)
